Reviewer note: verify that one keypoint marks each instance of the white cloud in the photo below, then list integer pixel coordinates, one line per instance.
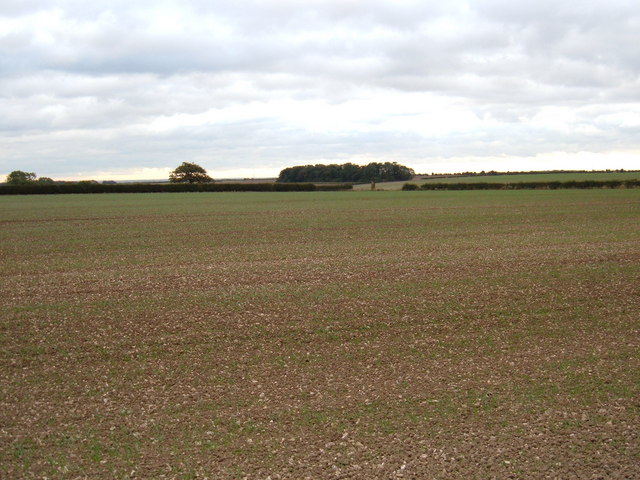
(104, 86)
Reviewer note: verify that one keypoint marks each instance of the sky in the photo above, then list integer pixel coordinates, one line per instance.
(126, 89)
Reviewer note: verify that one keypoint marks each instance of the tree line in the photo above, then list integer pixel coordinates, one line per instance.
(185, 173)
(348, 172)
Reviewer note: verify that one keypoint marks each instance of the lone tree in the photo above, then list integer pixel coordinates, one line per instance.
(18, 177)
(189, 173)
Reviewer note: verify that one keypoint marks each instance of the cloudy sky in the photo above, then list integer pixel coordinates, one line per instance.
(130, 89)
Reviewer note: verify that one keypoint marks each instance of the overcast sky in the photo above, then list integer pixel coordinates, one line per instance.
(130, 89)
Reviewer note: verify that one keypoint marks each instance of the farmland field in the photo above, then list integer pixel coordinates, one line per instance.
(484, 334)
(527, 177)
(540, 177)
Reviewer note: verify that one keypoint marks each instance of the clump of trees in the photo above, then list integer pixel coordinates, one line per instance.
(18, 177)
(348, 172)
(189, 173)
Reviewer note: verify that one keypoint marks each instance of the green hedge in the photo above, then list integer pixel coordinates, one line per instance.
(532, 185)
(36, 189)
(333, 187)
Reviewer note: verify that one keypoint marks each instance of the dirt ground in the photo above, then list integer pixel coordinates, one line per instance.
(413, 335)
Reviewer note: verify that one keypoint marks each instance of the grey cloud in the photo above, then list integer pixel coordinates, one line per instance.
(348, 40)
(100, 69)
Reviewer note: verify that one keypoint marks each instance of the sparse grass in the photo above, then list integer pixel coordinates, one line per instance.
(320, 334)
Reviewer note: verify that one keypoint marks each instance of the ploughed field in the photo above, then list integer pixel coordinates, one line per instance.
(321, 335)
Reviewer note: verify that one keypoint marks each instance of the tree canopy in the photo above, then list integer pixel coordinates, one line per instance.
(18, 177)
(189, 173)
(348, 172)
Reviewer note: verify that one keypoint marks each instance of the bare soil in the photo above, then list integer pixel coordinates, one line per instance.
(292, 336)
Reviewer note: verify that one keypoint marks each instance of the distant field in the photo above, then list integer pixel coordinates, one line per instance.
(541, 177)
(362, 335)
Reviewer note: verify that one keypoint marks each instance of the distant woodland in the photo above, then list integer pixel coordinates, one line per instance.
(348, 172)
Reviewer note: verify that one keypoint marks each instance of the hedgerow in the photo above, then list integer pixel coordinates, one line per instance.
(86, 187)
(531, 185)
